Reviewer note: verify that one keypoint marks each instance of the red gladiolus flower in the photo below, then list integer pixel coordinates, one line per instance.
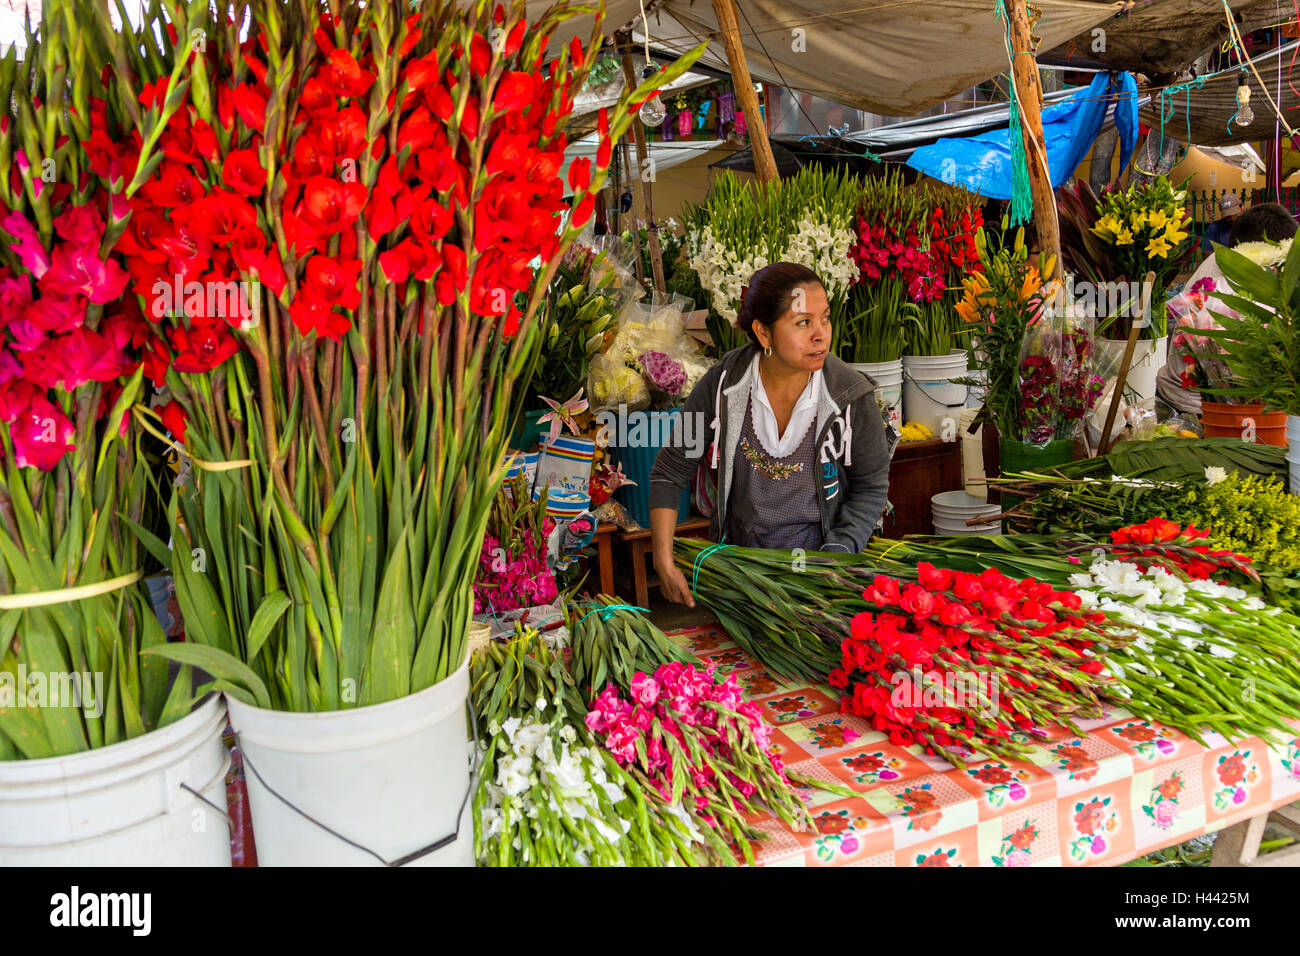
(201, 347)
(337, 282)
(329, 206)
(311, 312)
(422, 71)
(514, 92)
(243, 173)
(175, 186)
(271, 271)
(251, 107)
(580, 174)
(480, 55)
(174, 419)
(345, 76)
(80, 225)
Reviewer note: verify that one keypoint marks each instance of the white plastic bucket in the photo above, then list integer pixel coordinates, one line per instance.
(391, 777)
(1149, 357)
(1293, 451)
(125, 804)
(888, 377)
(929, 394)
(951, 509)
(952, 529)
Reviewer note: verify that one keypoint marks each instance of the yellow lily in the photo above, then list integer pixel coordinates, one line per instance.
(1124, 237)
(1106, 227)
(1158, 247)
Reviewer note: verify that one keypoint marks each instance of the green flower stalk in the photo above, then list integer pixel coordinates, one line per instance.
(395, 173)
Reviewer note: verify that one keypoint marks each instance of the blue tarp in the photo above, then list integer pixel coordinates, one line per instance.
(982, 163)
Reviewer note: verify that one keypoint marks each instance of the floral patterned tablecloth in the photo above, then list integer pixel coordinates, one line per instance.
(1126, 788)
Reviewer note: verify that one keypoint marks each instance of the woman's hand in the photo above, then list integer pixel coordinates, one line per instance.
(672, 583)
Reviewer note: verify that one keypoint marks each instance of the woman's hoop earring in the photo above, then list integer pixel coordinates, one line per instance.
(768, 351)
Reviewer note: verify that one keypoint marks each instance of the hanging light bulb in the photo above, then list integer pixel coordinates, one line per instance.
(653, 112)
(1245, 115)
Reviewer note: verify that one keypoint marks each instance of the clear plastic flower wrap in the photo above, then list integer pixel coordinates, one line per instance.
(651, 361)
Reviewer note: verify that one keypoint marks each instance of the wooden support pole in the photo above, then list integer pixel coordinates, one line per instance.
(642, 188)
(1029, 94)
(764, 161)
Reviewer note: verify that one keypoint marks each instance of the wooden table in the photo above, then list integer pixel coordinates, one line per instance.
(640, 547)
(605, 555)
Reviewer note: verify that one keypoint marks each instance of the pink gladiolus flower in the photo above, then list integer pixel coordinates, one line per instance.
(41, 435)
(80, 225)
(31, 251)
(645, 689)
(78, 270)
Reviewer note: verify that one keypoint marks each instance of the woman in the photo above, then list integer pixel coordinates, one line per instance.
(798, 442)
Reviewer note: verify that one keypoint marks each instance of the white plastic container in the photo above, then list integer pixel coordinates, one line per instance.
(888, 376)
(1149, 357)
(1293, 451)
(391, 777)
(122, 805)
(929, 394)
(951, 509)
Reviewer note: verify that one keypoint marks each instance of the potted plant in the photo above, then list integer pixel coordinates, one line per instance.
(1260, 344)
(102, 761)
(384, 185)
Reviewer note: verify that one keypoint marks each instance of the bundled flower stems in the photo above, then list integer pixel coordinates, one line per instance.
(548, 793)
(1202, 651)
(378, 182)
(610, 640)
(1028, 655)
(686, 735)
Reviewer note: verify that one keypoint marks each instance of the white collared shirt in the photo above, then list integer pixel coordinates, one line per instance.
(765, 426)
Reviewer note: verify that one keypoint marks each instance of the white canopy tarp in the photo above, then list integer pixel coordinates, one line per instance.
(882, 56)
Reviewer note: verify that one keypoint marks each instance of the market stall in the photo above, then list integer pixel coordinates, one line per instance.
(349, 459)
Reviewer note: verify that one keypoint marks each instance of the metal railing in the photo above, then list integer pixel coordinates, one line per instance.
(1203, 205)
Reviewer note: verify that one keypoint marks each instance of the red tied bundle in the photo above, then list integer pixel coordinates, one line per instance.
(965, 661)
(1163, 543)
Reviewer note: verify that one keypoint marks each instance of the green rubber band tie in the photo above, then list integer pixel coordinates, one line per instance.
(699, 560)
(606, 611)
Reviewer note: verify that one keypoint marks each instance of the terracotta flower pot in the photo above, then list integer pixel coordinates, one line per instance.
(1220, 420)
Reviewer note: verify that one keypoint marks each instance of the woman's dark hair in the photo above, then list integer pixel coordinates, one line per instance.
(769, 294)
(1267, 220)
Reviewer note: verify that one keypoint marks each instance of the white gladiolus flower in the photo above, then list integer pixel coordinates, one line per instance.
(1214, 474)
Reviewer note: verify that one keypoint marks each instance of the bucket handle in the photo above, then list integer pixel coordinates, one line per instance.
(414, 854)
(913, 380)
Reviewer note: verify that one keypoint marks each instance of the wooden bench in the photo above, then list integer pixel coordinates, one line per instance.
(640, 547)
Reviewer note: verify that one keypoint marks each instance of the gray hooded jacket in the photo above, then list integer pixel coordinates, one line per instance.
(854, 448)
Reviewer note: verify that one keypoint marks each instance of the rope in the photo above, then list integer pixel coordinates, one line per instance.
(12, 602)
(896, 544)
(606, 611)
(699, 561)
(1022, 199)
(180, 449)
